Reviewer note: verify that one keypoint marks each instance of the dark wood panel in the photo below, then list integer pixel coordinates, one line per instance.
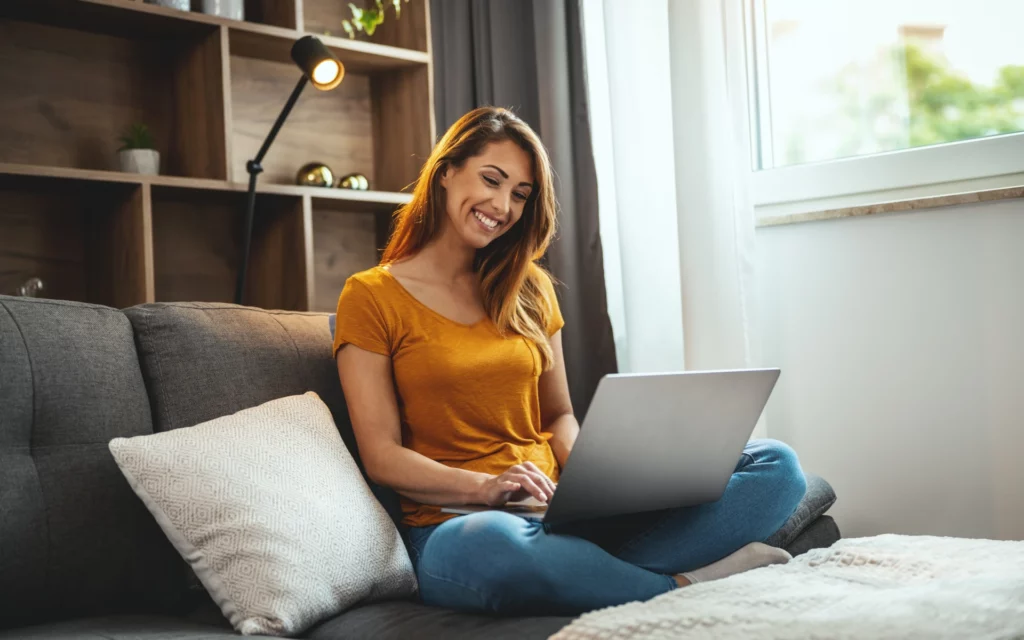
(43, 236)
(280, 13)
(87, 242)
(72, 94)
(200, 146)
(409, 31)
(120, 254)
(195, 245)
(403, 126)
(333, 127)
(278, 273)
(343, 244)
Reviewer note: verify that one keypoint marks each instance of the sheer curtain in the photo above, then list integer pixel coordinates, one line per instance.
(689, 57)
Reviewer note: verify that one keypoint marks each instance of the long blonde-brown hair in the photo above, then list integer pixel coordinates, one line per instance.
(512, 284)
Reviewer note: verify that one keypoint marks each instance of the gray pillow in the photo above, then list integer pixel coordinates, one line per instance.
(816, 502)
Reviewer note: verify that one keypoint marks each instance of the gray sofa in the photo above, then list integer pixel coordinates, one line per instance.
(80, 557)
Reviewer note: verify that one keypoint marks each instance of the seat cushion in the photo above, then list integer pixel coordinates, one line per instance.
(820, 534)
(74, 539)
(816, 501)
(401, 620)
(128, 627)
(206, 360)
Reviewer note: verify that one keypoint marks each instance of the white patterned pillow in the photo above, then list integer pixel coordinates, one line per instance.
(268, 507)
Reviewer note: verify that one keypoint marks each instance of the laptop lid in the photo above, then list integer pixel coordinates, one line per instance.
(659, 440)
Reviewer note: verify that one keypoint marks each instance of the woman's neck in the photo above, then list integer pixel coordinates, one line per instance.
(448, 257)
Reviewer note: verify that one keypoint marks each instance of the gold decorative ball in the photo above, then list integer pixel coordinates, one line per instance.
(315, 174)
(355, 181)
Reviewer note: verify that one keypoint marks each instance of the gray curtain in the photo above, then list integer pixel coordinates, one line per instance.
(527, 55)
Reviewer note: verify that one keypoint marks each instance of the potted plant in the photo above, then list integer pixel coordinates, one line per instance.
(137, 154)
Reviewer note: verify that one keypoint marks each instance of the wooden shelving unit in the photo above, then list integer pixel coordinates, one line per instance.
(74, 74)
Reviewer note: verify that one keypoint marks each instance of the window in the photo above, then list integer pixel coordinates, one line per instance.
(850, 79)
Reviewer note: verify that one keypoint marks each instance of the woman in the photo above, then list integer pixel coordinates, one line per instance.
(450, 356)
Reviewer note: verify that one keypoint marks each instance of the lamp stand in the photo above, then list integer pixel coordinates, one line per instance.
(255, 168)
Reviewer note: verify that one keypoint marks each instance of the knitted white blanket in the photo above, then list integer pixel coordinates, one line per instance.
(883, 587)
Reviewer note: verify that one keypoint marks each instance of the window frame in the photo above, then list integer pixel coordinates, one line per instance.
(943, 169)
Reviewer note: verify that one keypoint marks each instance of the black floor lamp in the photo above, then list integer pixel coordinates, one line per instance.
(325, 71)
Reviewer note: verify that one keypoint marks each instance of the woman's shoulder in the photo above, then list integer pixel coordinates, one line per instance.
(373, 278)
(373, 284)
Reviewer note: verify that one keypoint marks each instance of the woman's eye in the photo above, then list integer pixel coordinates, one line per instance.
(491, 181)
(520, 196)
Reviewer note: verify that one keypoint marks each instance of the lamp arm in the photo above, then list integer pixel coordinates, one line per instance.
(254, 167)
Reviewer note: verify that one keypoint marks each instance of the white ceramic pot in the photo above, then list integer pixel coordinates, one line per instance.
(144, 161)
(234, 9)
(181, 5)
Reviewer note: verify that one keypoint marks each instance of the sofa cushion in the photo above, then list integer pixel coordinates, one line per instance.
(400, 620)
(818, 498)
(270, 510)
(125, 627)
(74, 539)
(206, 360)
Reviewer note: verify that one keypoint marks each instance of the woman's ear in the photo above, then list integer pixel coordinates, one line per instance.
(445, 173)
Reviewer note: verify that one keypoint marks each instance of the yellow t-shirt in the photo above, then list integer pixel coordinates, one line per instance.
(467, 396)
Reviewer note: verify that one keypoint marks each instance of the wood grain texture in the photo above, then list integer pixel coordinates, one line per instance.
(403, 126)
(200, 146)
(333, 127)
(408, 32)
(278, 275)
(197, 248)
(88, 242)
(43, 236)
(274, 44)
(343, 244)
(195, 244)
(120, 251)
(72, 94)
(280, 13)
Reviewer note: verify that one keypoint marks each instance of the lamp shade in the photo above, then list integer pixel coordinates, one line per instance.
(322, 68)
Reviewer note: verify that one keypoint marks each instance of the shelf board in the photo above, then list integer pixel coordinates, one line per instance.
(337, 199)
(267, 42)
(249, 39)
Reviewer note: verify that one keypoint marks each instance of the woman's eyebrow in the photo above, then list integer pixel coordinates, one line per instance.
(505, 175)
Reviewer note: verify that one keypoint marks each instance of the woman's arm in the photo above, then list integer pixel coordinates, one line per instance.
(556, 406)
(366, 379)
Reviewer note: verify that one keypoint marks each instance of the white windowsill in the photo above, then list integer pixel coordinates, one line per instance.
(894, 206)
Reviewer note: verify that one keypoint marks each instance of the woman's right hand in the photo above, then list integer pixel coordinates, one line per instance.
(517, 483)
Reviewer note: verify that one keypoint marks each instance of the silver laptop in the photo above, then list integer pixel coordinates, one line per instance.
(653, 441)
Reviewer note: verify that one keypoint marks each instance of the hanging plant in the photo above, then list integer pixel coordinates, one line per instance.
(367, 20)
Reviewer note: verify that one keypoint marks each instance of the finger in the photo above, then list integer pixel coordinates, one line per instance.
(533, 487)
(548, 482)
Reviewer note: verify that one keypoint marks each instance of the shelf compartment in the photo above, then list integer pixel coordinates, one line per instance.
(344, 242)
(87, 241)
(197, 248)
(75, 92)
(408, 32)
(333, 127)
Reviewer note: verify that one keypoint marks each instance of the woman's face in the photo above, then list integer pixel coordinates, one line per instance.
(486, 196)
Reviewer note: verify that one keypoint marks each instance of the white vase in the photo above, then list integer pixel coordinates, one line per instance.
(144, 161)
(181, 5)
(234, 9)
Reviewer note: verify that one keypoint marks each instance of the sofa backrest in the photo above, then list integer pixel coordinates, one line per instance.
(74, 538)
(205, 360)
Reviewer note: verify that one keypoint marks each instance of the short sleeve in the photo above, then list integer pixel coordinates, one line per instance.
(555, 321)
(360, 321)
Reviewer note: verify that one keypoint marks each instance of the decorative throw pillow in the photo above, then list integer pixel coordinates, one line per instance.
(268, 507)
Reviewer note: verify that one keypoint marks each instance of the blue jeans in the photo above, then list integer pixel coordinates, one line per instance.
(494, 562)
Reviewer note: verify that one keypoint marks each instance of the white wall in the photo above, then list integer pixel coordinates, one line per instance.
(901, 343)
